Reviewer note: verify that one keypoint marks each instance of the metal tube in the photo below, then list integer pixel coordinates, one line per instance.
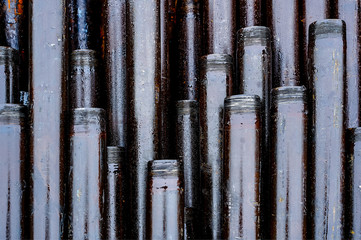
(219, 26)
(241, 167)
(254, 63)
(215, 85)
(327, 52)
(249, 13)
(115, 195)
(187, 135)
(353, 202)
(144, 73)
(84, 86)
(9, 75)
(13, 148)
(254, 67)
(289, 163)
(350, 12)
(115, 59)
(188, 49)
(48, 93)
(165, 201)
(14, 34)
(84, 22)
(86, 175)
(283, 19)
(165, 80)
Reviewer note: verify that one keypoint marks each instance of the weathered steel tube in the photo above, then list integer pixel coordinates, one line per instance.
(353, 207)
(114, 53)
(48, 92)
(13, 148)
(84, 22)
(84, 87)
(254, 62)
(254, 67)
(144, 72)
(14, 34)
(187, 135)
(188, 49)
(165, 79)
(215, 85)
(249, 13)
(289, 163)
(350, 12)
(241, 167)
(9, 75)
(86, 175)
(327, 52)
(219, 26)
(114, 19)
(284, 22)
(165, 200)
(115, 193)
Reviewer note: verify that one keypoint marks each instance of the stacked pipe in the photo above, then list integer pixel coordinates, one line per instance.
(185, 119)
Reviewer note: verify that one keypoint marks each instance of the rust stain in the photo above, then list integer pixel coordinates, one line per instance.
(20, 7)
(9, 4)
(102, 34)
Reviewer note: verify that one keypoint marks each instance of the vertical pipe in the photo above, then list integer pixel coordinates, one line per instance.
(254, 64)
(284, 22)
(14, 34)
(219, 26)
(165, 90)
(254, 67)
(353, 218)
(215, 85)
(289, 163)
(114, 25)
(350, 12)
(241, 168)
(311, 11)
(115, 193)
(114, 53)
(165, 201)
(143, 65)
(187, 135)
(13, 144)
(48, 93)
(84, 24)
(86, 180)
(84, 85)
(249, 13)
(188, 49)
(327, 50)
(9, 78)
(174, 68)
